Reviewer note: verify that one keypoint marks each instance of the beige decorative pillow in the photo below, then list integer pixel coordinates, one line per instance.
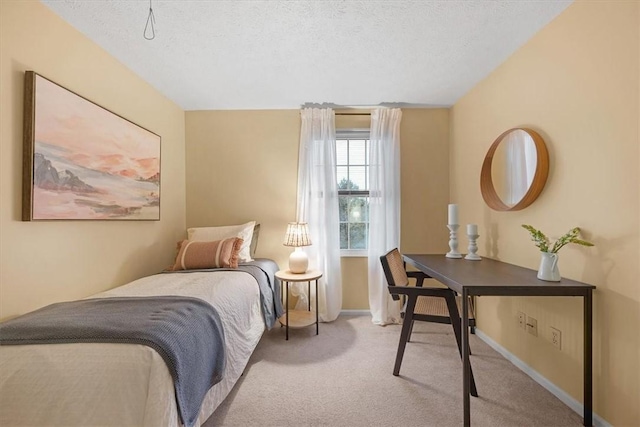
(220, 253)
(209, 234)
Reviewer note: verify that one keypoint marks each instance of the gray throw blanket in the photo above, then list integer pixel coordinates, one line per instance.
(272, 308)
(186, 332)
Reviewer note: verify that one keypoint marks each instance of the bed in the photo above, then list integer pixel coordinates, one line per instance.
(113, 384)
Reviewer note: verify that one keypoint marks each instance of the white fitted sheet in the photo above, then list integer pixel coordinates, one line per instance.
(126, 384)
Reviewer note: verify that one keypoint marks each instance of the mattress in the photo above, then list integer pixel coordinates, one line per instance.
(126, 384)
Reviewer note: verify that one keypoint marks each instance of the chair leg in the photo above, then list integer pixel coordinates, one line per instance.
(419, 283)
(410, 331)
(456, 323)
(402, 315)
(404, 335)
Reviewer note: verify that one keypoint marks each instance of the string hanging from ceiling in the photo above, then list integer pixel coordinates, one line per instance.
(149, 28)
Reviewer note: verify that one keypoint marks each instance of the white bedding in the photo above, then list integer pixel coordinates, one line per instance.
(126, 384)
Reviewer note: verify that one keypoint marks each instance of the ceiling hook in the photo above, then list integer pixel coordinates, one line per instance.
(150, 30)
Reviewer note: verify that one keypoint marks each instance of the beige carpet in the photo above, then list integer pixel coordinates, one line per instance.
(343, 377)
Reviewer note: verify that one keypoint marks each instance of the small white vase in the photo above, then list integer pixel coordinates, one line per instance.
(549, 267)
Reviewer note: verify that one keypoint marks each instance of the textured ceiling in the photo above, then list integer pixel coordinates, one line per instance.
(276, 54)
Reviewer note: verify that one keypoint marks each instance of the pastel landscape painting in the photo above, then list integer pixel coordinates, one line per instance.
(89, 163)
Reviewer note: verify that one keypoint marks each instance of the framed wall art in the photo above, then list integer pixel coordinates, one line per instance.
(83, 162)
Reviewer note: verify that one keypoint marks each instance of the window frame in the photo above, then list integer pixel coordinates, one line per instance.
(354, 133)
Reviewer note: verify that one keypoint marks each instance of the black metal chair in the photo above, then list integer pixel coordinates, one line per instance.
(426, 304)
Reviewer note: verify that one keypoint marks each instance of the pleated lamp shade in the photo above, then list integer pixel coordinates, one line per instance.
(297, 236)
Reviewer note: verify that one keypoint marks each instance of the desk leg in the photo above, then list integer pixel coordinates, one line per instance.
(466, 366)
(588, 358)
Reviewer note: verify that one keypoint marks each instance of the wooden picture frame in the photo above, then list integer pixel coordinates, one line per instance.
(84, 162)
(487, 187)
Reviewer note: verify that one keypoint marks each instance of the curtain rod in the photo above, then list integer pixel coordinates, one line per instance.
(370, 107)
(353, 114)
(345, 107)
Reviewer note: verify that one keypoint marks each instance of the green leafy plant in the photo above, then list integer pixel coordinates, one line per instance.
(542, 241)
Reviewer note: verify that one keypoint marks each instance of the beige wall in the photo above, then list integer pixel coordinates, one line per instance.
(242, 166)
(47, 261)
(577, 83)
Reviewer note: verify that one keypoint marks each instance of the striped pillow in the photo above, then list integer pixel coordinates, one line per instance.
(220, 253)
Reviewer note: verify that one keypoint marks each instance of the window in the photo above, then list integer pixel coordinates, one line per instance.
(352, 173)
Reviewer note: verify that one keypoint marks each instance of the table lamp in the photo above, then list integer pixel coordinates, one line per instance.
(297, 236)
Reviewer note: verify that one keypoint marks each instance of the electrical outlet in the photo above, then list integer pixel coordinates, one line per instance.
(556, 337)
(522, 320)
(532, 326)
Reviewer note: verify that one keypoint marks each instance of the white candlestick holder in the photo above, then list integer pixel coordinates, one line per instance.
(453, 241)
(473, 248)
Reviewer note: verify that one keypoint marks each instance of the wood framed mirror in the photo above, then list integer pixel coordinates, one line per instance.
(514, 170)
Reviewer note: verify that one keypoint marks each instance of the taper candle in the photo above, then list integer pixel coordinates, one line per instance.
(453, 214)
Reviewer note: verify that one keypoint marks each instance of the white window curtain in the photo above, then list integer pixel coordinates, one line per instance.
(384, 209)
(318, 206)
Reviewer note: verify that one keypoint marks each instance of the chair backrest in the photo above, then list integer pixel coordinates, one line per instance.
(394, 269)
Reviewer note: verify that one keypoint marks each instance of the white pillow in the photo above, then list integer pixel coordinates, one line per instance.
(210, 234)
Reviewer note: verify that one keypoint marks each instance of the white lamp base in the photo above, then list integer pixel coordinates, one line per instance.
(298, 261)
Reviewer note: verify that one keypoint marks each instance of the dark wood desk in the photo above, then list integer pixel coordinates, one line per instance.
(490, 277)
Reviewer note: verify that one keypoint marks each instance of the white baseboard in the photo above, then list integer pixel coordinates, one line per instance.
(355, 312)
(537, 377)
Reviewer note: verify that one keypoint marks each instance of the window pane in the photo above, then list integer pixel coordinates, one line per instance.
(358, 176)
(341, 152)
(365, 209)
(344, 242)
(342, 177)
(367, 144)
(358, 209)
(358, 235)
(357, 152)
(343, 208)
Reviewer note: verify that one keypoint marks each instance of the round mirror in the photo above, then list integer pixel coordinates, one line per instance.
(515, 170)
